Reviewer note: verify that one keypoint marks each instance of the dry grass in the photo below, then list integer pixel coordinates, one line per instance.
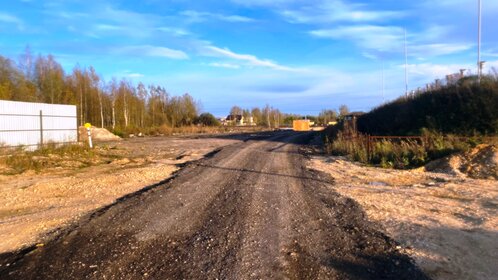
(167, 130)
(16, 161)
(397, 153)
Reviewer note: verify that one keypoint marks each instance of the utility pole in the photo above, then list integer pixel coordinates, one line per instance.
(406, 69)
(383, 96)
(479, 68)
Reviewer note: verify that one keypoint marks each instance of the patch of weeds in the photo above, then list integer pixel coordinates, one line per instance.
(49, 156)
(396, 153)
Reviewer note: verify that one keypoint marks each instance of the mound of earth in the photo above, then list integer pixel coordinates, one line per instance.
(98, 134)
(479, 163)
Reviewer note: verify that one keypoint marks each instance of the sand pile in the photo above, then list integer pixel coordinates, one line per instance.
(98, 134)
(479, 163)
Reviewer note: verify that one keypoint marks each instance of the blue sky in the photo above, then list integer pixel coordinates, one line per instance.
(297, 55)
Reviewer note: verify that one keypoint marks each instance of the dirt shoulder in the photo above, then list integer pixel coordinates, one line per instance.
(447, 222)
(35, 206)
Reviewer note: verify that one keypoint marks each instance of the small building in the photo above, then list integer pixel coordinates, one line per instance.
(237, 120)
(234, 120)
(350, 122)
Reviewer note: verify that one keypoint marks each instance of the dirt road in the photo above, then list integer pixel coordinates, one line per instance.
(250, 211)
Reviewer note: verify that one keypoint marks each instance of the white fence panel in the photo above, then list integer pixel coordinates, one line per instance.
(31, 124)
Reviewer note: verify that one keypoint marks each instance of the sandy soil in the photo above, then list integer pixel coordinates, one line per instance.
(33, 207)
(447, 222)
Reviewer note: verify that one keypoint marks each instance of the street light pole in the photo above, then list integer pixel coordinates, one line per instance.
(479, 42)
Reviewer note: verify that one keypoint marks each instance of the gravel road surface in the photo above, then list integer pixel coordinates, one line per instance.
(250, 211)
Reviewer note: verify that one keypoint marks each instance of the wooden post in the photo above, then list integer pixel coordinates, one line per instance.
(41, 129)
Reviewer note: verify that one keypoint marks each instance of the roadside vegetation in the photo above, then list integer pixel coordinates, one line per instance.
(19, 160)
(462, 107)
(453, 118)
(400, 153)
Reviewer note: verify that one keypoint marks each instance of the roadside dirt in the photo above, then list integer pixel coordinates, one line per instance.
(35, 206)
(479, 163)
(251, 211)
(447, 221)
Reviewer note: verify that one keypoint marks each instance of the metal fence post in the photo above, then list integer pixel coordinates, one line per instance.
(41, 129)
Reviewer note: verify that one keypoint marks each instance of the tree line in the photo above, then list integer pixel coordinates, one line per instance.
(462, 107)
(118, 104)
(112, 104)
(271, 117)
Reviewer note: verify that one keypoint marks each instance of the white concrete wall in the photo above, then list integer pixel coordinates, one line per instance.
(20, 123)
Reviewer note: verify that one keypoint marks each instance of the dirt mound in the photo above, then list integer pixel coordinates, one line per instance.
(98, 134)
(479, 163)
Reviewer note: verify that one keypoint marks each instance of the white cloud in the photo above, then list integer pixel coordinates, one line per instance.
(7, 18)
(381, 38)
(462, 4)
(428, 50)
(224, 65)
(265, 2)
(369, 55)
(323, 11)
(107, 27)
(174, 31)
(249, 59)
(102, 20)
(134, 75)
(336, 10)
(430, 71)
(390, 39)
(195, 16)
(148, 50)
(490, 65)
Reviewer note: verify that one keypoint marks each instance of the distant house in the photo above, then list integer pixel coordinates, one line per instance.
(237, 120)
(234, 120)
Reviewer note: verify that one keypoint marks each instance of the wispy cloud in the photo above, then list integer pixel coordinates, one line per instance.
(389, 39)
(266, 2)
(335, 11)
(431, 71)
(11, 19)
(324, 11)
(195, 16)
(437, 49)
(102, 20)
(134, 75)
(173, 30)
(224, 65)
(154, 51)
(108, 27)
(381, 38)
(251, 60)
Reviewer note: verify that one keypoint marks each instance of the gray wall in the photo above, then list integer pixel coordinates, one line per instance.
(21, 124)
